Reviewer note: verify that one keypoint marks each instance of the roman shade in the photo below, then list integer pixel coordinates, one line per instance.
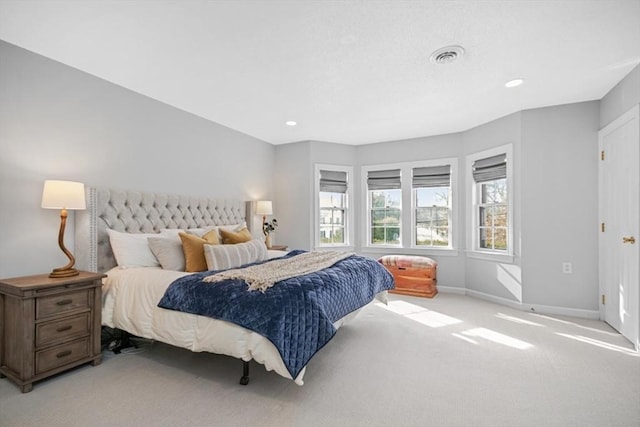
(432, 176)
(490, 168)
(384, 179)
(333, 181)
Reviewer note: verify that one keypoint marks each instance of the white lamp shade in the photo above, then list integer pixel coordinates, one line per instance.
(264, 207)
(63, 195)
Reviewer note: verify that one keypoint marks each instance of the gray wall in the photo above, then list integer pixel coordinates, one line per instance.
(484, 276)
(294, 181)
(559, 191)
(59, 123)
(555, 205)
(621, 98)
(292, 204)
(451, 269)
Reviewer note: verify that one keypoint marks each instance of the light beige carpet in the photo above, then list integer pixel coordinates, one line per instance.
(448, 361)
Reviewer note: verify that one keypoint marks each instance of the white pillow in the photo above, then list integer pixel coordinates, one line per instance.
(171, 232)
(223, 257)
(233, 227)
(132, 249)
(199, 232)
(168, 250)
(271, 254)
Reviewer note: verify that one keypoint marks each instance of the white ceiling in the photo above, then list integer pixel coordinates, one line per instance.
(350, 72)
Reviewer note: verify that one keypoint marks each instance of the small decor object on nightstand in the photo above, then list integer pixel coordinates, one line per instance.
(267, 228)
(264, 208)
(63, 195)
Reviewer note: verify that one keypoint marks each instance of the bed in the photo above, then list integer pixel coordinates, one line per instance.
(131, 293)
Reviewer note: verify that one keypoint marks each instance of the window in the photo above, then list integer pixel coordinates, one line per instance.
(332, 220)
(385, 207)
(490, 192)
(432, 202)
(493, 215)
(410, 205)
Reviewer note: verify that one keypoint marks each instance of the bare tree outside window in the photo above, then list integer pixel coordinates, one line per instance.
(433, 216)
(493, 221)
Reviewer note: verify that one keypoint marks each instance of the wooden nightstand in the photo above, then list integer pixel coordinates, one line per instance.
(278, 248)
(48, 325)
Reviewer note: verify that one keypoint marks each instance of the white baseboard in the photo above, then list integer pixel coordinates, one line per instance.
(452, 290)
(533, 308)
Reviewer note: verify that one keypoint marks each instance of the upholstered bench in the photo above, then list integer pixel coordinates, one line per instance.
(414, 275)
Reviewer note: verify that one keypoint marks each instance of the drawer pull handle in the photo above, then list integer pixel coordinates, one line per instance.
(64, 302)
(63, 354)
(64, 328)
(402, 268)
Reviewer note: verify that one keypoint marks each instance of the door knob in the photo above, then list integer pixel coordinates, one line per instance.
(631, 240)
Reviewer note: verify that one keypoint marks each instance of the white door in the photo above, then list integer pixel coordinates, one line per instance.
(619, 196)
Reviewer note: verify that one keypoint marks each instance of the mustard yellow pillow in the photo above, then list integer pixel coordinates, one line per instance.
(233, 237)
(193, 248)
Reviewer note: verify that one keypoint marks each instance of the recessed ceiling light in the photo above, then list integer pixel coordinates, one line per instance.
(514, 83)
(446, 55)
(290, 123)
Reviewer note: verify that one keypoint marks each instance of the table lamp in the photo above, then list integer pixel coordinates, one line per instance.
(63, 195)
(264, 208)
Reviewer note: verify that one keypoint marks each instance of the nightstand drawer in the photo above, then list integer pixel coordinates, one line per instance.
(47, 306)
(61, 355)
(69, 327)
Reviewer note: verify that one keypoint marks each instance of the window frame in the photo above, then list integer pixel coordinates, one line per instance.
(348, 208)
(408, 229)
(474, 196)
(370, 225)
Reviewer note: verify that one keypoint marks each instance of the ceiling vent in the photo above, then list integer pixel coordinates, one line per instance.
(446, 54)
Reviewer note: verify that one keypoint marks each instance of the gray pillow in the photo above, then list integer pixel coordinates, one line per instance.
(169, 252)
(223, 257)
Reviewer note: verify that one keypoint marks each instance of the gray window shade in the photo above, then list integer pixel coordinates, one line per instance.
(333, 181)
(384, 180)
(432, 176)
(491, 168)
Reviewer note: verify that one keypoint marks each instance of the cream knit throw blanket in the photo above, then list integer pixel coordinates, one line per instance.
(263, 276)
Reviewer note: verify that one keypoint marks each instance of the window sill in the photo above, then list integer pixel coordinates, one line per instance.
(490, 256)
(410, 251)
(334, 247)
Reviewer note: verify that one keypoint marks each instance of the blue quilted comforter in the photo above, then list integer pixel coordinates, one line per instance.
(296, 314)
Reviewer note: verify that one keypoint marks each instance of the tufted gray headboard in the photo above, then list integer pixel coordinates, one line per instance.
(136, 212)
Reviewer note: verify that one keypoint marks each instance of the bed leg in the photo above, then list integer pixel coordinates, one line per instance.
(123, 342)
(244, 380)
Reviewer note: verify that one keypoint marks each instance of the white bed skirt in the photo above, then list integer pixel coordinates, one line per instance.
(130, 302)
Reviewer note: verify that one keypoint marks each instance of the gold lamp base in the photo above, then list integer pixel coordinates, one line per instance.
(67, 270)
(64, 272)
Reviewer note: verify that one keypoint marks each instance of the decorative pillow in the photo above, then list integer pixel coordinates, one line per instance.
(193, 249)
(223, 257)
(233, 237)
(168, 250)
(171, 232)
(233, 227)
(202, 231)
(132, 249)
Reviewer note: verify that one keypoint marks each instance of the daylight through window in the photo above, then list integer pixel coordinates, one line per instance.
(385, 206)
(432, 202)
(492, 208)
(333, 207)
